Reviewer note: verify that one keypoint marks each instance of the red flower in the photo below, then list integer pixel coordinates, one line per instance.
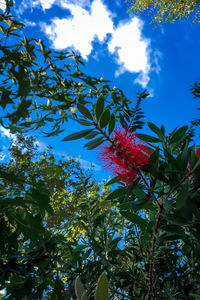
(125, 155)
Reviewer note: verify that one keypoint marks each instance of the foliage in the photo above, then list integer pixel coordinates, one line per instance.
(162, 202)
(41, 86)
(65, 236)
(167, 10)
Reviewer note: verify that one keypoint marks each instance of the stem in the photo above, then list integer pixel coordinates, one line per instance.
(104, 134)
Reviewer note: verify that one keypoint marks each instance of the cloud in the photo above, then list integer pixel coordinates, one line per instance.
(46, 4)
(6, 133)
(3, 5)
(81, 28)
(29, 23)
(85, 164)
(130, 49)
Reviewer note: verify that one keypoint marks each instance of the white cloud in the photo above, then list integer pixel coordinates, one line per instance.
(81, 29)
(2, 157)
(85, 164)
(29, 23)
(46, 4)
(130, 48)
(6, 133)
(2, 4)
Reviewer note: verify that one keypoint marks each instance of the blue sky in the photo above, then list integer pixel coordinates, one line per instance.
(123, 48)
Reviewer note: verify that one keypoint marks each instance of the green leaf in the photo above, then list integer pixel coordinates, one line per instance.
(111, 124)
(172, 237)
(154, 157)
(5, 98)
(148, 138)
(182, 196)
(135, 219)
(91, 135)
(178, 135)
(84, 122)
(195, 296)
(172, 228)
(196, 165)
(84, 296)
(117, 193)
(140, 194)
(175, 163)
(77, 135)
(99, 107)
(185, 157)
(112, 181)
(105, 118)
(79, 289)
(94, 143)
(84, 111)
(102, 288)
(156, 130)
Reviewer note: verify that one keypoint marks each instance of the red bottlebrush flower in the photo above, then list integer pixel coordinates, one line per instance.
(198, 152)
(125, 155)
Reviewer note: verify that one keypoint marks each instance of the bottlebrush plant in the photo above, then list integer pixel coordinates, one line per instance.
(158, 195)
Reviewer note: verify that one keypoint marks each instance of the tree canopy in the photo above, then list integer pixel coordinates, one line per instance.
(167, 10)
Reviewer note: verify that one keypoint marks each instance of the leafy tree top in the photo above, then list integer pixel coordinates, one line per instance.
(167, 10)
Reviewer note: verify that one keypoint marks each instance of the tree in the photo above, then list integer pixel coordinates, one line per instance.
(41, 86)
(160, 196)
(167, 10)
(138, 241)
